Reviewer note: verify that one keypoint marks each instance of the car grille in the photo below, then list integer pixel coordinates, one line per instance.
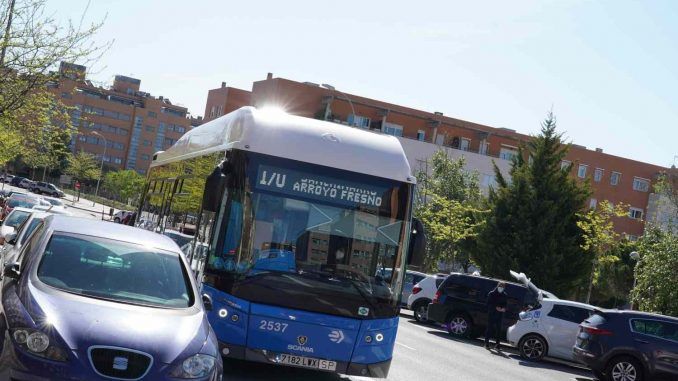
(120, 363)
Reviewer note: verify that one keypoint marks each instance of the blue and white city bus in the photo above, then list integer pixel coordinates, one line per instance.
(294, 218)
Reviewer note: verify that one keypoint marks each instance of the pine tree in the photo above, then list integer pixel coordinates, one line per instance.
(532, 226)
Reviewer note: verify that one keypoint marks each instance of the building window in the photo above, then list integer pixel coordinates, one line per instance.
(421, 135)
(392, 129)
(581, 173)
(465, 144)
(636, 213)
(117, 160)
(615, 177)
(150, 128)
(440, 139)
(66, 95)
(565, 164)
(169, 142)
(631, 237)
(641, 184)
(151, 114)
(484, 148)
(358, 121)
(507, 153)
(147, 143)
(597, 175)
(593, 203)
(145, 157)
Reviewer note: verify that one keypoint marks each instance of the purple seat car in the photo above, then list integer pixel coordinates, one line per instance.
(89, 300)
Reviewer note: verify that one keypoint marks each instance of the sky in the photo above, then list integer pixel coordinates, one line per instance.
(608, 69)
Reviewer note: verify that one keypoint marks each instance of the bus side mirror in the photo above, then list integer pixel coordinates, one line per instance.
(214, 190)
(417, 249)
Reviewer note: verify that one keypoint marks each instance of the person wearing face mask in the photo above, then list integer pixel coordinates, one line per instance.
(496, 306)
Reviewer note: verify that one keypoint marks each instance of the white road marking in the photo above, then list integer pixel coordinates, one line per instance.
(403, 345)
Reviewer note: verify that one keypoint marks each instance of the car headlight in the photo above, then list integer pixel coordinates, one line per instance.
(194, 367)
(37, 343)
(525, 315)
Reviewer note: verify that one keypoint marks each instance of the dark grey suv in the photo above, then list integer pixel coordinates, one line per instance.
(629, 345)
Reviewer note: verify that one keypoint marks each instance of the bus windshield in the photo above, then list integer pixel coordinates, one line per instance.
(312, 238)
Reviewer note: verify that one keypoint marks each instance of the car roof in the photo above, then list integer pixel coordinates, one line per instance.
(641, 314)
(487, 278)
(571, 303)
(104, 229)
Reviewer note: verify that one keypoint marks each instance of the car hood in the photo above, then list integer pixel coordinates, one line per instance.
(168, 335)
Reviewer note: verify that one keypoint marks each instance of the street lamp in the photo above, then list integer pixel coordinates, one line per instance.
(101, 168)
(636, 257)
(332, 88)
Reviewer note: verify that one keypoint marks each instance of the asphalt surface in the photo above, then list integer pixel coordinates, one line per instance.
(425, 352)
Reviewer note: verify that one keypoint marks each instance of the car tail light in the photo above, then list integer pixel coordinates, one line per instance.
(436, 298)
(597, 331)
(416, 290)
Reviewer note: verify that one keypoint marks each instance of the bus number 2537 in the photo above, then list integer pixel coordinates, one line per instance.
(268, 325)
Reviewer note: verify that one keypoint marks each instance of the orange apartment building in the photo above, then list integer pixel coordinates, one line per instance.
(130, 123)
(613, 178)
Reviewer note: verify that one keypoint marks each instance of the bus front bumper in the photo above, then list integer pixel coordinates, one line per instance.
(376, 370)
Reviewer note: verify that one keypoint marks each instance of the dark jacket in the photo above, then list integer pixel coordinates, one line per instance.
(496, 299)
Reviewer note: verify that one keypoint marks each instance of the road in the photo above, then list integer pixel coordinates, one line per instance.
(425, 352)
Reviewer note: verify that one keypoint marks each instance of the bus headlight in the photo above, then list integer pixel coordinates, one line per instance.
(194, 367)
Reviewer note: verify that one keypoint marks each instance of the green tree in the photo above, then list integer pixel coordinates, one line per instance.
(532, 226)
(599, 238)
(83, 167)
(126, 185)
(450, 207)
(656, 288)
(32, 44)
(614, 278)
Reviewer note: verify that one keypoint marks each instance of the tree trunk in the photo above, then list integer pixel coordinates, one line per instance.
(588, 294)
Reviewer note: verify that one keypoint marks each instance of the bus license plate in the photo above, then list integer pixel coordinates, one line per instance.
(308, 362)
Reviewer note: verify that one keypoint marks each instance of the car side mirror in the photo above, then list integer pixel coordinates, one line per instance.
(5, 237)
(11, 270)
(11, 238)
(417, 250)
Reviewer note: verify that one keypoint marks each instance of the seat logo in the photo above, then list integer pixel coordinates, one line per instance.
(120, 363)
(330, 137)
(302, 340)
(336, 336)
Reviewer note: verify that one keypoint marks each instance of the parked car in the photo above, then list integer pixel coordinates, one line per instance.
(120, 215)
(549, 329)
(10, 224)
(422, 295)
(11, 248)
(179, 238)
(628, 345)
(411, 278)
(461, 304)
(54, 206)
(16, 180)
(6, 178)
(26, 184)
(47, 188)
(20, 200)
(130, 289)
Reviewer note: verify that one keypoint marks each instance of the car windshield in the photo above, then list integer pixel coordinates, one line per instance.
(16, 218)
(22, 202)
(115, 270)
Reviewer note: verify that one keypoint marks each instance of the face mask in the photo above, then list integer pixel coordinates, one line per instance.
(500, 289)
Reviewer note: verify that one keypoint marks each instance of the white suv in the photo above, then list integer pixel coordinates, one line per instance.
(550, 329)
(423, 294)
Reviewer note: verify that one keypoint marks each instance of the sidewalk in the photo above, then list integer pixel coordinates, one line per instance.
(88, 206)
